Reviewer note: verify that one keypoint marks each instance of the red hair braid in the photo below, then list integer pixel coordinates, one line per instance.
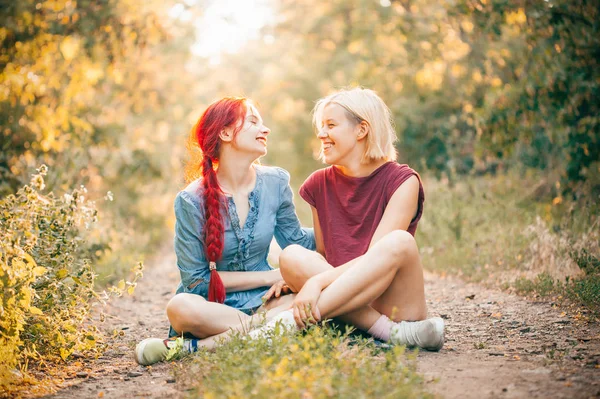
(225, 113)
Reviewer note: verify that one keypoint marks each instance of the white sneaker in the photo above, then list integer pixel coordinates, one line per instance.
(426, 334)
(285, 318)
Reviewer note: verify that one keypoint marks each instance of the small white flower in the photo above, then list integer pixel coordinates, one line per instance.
(42, 170)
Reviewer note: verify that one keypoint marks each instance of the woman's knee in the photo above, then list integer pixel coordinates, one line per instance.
(297, 264)
(181, 307)
(289, 257)
(290, 254)
(400, 245)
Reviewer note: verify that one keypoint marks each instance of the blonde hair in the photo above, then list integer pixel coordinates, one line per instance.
(364, 105)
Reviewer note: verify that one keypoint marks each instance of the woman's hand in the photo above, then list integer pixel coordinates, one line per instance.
(305, 304)
(278, 289)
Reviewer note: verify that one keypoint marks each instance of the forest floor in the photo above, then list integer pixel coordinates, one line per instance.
(497, 345)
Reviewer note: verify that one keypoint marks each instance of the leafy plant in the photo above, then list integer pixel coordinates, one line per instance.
(46, 277)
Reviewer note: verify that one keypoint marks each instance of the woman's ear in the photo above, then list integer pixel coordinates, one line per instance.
(226, 135)
(363, 130)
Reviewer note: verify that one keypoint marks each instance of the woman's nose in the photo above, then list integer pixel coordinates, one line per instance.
(322, 134)
(266, 130)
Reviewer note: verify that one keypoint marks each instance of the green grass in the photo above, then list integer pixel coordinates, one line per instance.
(318, 363)
(475, 226)
(516, 232)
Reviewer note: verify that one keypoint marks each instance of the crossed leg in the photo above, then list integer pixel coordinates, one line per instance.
(212, 322)
(387, 280)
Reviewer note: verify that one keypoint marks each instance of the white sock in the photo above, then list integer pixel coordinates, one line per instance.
(382, 328)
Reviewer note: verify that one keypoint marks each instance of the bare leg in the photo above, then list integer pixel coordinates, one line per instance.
(298, 264)
(212, 322)
(387, 279)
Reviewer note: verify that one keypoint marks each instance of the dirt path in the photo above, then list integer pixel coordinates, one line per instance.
(498, 345)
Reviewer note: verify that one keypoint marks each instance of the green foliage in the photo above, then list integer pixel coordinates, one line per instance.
(476, 226)
(93, 90)
(474, 86)
(586, 290)
(46, 276)
(57, 59)
(587, 262)
(543, 284)
(546, 104)
(583, 289)
(319, 363)
(504, 230)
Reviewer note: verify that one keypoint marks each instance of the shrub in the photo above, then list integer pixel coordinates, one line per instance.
(46, 277)
(564, 261)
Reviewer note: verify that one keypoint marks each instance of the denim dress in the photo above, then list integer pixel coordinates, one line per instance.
(271, 213)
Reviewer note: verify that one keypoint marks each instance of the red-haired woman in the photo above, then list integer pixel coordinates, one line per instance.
(225, 221)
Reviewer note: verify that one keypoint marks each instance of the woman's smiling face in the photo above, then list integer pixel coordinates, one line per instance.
(253, 135)
(339, 135)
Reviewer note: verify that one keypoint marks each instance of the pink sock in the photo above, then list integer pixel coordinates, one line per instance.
(381, 328)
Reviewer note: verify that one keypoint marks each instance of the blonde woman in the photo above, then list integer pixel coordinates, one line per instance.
(366, 270)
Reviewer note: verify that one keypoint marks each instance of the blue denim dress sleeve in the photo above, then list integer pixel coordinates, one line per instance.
(287, 228)
(189, 246)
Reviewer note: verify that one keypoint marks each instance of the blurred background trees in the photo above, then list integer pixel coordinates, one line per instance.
(94, 90)
(105, 93)
(473, 85)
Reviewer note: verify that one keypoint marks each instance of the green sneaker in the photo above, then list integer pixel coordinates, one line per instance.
(154, 350)
(151, 350)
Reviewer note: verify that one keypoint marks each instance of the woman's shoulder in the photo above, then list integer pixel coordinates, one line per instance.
(317, 179)
(319, 174)
(190, 195)
(394, 165)
(273, 174)
(395, 169)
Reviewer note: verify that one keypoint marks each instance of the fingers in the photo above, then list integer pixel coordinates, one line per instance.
(268, 295)
(305, 313)
(312, 311)
(316, 314)
(278, 291)
(298, 318)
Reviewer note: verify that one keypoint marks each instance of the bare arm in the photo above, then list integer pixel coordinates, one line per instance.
(400, 211)
(242, 281)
